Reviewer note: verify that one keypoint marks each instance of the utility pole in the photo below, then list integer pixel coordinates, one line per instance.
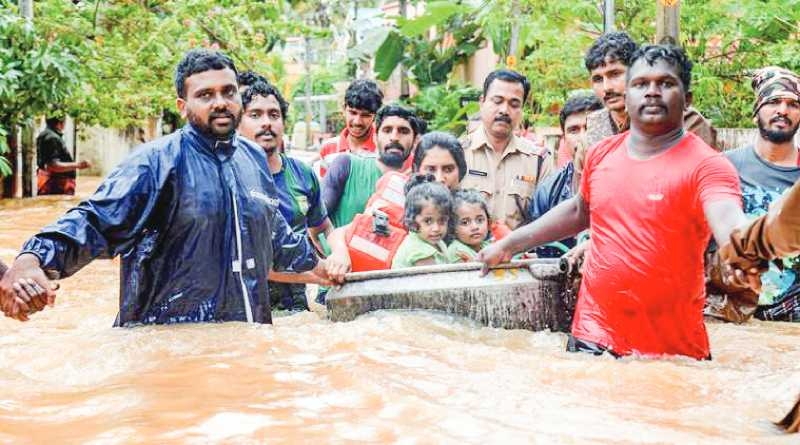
(513, 43)
(26, 152)
(404, 92)
(668, 17)
(608, 16)
(309, 89)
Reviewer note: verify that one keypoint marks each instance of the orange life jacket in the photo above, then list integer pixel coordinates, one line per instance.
(372, 249)
(389, 197)
(499, 230)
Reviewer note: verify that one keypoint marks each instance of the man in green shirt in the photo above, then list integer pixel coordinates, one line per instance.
(297, 185)
(351, 178)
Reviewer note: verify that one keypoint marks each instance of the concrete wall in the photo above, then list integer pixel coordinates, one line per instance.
(107, 147)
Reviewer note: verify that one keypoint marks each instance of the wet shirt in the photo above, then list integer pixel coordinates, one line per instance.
(197, 225)
(415, 249)
(299, 194)
(552, 191)
(507, 180)
(348, 185)
(600, 125)
(643, 284)
(762, 184)
(50, 147)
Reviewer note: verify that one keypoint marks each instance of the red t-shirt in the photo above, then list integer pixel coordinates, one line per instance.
(340, 144)
(563, 155)
(643, 286)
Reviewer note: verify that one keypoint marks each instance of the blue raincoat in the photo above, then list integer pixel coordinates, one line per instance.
(197, 225)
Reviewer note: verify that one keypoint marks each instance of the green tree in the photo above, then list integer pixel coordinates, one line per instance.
(129, 50)
(726, 39)
(36, 74)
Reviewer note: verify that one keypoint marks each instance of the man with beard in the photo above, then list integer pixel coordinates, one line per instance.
(607, 61)
(361, 100)
(297, 185)
(766, 170)
(193, 215)
(502, 166)
(651, 199)
(351, 179)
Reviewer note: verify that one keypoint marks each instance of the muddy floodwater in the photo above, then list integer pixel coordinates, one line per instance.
(67, 376)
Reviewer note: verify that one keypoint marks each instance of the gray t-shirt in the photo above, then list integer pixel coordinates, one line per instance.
(762, 183)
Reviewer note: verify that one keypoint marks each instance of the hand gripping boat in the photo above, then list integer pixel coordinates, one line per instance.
(527, 294)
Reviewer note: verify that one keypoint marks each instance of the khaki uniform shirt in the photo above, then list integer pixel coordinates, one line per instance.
(600, 125)
(508, 180)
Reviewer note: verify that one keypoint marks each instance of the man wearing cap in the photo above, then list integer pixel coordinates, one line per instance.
(766, 170)
(502, 166)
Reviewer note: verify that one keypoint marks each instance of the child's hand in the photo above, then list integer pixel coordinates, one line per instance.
(464, 257)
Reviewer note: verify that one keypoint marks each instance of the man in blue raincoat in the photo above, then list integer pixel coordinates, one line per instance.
(194, 216)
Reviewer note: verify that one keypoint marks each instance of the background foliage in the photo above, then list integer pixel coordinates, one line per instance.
(725, 38)
(111, 62)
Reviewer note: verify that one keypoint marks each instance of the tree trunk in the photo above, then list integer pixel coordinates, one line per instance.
(26, 159)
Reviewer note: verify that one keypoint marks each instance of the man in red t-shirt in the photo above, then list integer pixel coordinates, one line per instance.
(651, 198)
(362, 100)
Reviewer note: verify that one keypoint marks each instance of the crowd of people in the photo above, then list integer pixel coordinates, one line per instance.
(217, 221)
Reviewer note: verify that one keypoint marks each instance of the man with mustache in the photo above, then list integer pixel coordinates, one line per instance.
(351, 179)
(193, 214)
(651, 198)
(607, 61)
(298, 187)
(362, 100)
(766, 170)
(502, 166)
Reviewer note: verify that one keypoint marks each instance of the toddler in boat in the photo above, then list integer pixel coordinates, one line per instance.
(427, 211)
(469, 224)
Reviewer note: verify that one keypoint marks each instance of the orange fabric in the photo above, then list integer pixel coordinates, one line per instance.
(499, 230)
(54, 184)
(369, 250)
(340, 144)
(389, 197)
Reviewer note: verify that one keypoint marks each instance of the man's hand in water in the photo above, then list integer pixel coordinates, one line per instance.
(24, 289)
(494, 254)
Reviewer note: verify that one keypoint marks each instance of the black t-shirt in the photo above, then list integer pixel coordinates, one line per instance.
(50, 147)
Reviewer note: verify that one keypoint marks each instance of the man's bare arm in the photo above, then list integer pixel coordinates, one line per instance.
(562, 221)
(723, 216)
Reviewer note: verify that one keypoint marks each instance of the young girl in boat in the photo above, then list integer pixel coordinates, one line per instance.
(427, 211)
(469, 224)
